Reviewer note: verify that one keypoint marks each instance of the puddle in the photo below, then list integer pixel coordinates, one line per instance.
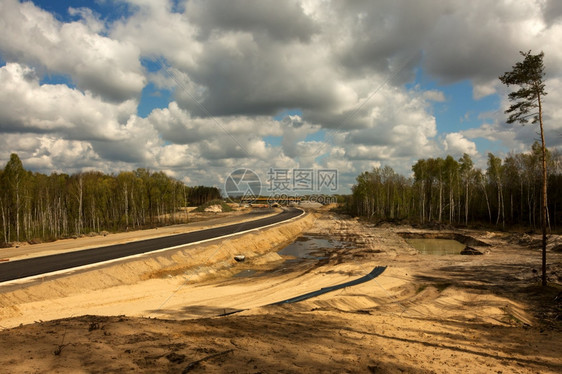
(304, 248)
(437, 247)
(245, 273)
(311, 247)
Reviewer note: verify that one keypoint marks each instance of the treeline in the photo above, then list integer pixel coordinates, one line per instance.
(507, 193)
(38, 206)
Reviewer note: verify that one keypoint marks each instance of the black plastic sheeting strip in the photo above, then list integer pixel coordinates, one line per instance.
(372, 275)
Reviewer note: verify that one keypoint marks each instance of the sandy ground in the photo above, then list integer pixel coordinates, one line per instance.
(443, 314)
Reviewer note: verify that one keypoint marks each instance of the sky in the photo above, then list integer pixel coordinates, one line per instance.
(201, 88)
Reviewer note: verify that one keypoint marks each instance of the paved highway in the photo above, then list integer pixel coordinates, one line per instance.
(47, 264)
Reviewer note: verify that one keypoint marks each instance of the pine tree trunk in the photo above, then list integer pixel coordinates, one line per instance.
(544, 196)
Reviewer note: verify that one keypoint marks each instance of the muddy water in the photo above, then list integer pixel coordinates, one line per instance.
(311, 247)
(438, 247)
(306, 248)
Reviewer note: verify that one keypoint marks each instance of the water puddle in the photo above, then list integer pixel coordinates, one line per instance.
(310, 247)
(304, 248)
(437, 247)
(245, 273)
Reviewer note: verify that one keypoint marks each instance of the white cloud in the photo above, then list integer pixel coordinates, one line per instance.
(516, 137)
(434, 95)
(233, 66)
(481, 90)
(479, 39)
(57, 108)
(400, 130)
(456, 145)
(105, 66)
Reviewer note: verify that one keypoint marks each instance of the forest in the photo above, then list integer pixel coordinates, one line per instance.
(449, 191)
(39, 207)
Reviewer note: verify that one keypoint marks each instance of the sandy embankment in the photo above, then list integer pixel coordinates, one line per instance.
(140, 286)
(424, 314)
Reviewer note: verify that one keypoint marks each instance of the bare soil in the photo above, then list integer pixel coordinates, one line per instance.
(424, 314)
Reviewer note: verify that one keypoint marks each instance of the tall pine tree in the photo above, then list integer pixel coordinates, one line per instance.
(529, 76)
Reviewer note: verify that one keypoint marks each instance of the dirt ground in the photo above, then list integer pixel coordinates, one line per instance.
(424, 314)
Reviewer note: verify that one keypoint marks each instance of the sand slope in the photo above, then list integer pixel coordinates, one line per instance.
(462, 314)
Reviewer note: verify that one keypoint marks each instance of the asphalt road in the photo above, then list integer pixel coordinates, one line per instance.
(47, 264)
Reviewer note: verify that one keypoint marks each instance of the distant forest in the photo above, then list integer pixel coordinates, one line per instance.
(450, 191)
(35, 206)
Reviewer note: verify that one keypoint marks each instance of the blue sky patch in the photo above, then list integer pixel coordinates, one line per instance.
(460, 111)
(57, 79)
(152, 98)
(109, 11)
(273, 141)
(151, 65)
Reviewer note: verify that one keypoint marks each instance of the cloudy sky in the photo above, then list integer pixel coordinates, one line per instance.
(200, 88)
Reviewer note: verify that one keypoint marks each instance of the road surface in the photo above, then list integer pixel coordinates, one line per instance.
(48, 264)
